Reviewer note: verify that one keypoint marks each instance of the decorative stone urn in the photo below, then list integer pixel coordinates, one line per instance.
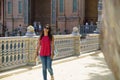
(30, 31)
(75, 31)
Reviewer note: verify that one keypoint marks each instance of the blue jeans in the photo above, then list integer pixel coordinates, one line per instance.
(46, 64)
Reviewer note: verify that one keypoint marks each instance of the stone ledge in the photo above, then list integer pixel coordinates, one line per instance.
(55, 62)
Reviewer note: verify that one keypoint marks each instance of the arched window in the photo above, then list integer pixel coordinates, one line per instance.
(20, 7)
(9, 7)
(61, 5)
(75, 5)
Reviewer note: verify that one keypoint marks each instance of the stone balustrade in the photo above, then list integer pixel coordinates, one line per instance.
(8, 56)
(90, 43)
(20, 51)
(16, 51)
(67, 46)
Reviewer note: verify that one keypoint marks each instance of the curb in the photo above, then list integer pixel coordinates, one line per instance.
(55, 62)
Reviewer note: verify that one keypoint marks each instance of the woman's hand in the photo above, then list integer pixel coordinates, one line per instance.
(52, 56)
(36, 55)
(52, 44)
(37, 50)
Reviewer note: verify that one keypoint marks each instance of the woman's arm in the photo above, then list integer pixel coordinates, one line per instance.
(52, 47)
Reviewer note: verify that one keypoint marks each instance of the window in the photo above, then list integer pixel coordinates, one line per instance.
(9, 7)
(20, 7)
(61, 3)
(75, 5)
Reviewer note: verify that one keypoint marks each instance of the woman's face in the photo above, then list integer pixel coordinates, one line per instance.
(46, 29)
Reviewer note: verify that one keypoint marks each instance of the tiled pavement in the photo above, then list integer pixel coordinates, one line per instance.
(90, 67)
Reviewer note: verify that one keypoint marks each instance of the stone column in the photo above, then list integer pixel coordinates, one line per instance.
(53, 16)
(32, 50)
(76, 35)
(32, 44)
(77, 45)
(110, 37)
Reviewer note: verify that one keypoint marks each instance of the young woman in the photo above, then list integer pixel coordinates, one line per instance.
(45, 50)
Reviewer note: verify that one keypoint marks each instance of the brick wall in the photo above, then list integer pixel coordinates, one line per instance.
(40, 10)
(14, 19)
(1, 16)
(68, 19)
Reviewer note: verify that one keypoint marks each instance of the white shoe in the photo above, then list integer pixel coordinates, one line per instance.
(52, 78)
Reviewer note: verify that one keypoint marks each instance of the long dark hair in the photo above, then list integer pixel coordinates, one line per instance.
(49, 33)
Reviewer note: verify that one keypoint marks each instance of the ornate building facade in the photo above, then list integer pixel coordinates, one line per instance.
(62, 15)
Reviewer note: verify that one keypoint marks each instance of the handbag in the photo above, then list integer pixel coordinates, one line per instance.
(37, 60)
(55, 50)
